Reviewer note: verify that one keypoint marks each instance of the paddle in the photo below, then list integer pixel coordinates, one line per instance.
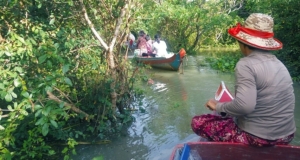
(182, 54)
(181, 64)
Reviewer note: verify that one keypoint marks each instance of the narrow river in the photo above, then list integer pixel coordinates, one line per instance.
(167, 109)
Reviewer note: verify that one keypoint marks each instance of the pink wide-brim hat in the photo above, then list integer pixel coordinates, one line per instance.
(257, 32)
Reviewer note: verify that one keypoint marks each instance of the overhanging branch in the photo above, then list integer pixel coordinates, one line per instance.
(86, 17)
(73, 108)
(117, 29)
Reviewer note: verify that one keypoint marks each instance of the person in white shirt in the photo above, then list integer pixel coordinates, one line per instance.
(159, 47)
(131, 41)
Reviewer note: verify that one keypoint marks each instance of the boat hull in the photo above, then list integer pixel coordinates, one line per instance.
(230, 151)
(173, 63)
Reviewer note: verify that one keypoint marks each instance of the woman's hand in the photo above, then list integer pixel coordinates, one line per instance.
(211, 104)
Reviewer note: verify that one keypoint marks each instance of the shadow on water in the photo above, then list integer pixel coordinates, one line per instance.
(169, 106)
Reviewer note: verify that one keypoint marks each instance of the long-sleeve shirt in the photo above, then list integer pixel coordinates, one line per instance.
(160, 49)
(142, 45)
(264, 97)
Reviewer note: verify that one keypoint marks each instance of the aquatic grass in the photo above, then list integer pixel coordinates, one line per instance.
(223, 61)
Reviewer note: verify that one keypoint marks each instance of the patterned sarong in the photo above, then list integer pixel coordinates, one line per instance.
(219, 129)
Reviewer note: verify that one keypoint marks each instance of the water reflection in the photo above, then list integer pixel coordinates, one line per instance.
(174, 99)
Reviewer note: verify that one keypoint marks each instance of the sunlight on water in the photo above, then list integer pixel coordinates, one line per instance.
(159, 87)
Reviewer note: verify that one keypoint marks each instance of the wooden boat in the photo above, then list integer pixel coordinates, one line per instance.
(231, 151)
(172, 63)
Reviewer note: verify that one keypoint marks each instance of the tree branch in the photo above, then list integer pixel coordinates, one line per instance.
(92, 26)
(4, 115)
(73, 108)
(117, 29)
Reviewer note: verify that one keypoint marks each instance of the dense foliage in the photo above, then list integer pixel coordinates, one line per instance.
(62, 67)
(287, 30)
(224, 62)
(191, 24)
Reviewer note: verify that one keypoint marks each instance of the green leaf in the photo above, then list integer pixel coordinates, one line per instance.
(42, 59)
(1, 127)
(68, 81)
(70, 3)
(12, 74)
(7, 53)
(41, 121)
(65, 150)
(66, 68)
(17, 82)
(98, 158)
(46, 110)
(9, 108)
(8, 97)
(52, 21)
(48, 88)
(1, 86)
(39, 5)
(49, 64)
(33, 41)
(19, 69)
(56, 45)
(20, 39)
(20, 50)
(37, 113)
(53, 123)
(45, 129)
(16, 105)
(13, 94)
(24, 112)
(61, 104)
(36, 107)
(25, 94)
(40, 85)
(28, 106)
(51, 152)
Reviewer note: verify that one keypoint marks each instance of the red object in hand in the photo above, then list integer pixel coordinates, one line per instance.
(223, 94)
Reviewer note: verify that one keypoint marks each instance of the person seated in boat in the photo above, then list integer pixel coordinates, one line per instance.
(149, 46)
(262, 111)
(131, 41)
(141, 43)
(159, 47)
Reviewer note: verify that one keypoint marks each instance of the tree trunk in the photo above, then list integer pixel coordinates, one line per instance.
(109, 50)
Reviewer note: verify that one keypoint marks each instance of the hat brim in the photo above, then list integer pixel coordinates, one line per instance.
(257, 42)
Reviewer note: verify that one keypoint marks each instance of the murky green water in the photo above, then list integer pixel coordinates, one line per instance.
(174, 100)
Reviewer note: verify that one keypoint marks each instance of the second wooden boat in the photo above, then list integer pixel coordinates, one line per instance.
(172, 63)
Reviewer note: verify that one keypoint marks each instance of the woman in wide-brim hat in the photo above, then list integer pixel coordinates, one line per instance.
(263, 106)
(257, 32)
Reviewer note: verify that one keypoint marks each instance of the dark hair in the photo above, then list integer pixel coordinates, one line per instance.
(157, 38)
(148, 38)
(251, 47)
(141, 33)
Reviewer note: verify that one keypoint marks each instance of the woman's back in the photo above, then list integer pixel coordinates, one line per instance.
(273, 116)
(160, 48)
(142, 43)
